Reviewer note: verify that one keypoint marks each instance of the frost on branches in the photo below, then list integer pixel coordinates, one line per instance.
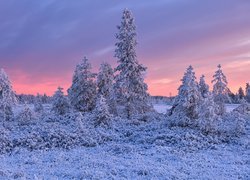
(188, 99)
(207, 115)
(130, 88)
(105, 80)
(82, 93)
(26, 116)
(60, 104)
(220, 90)
(248, 92)
(7, 97)
(38, 105)
(203, 87)
(102, 111)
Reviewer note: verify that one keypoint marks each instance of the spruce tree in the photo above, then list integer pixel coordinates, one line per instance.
(189, 97)
(7, 97)
(220, 90)
(130, 88)
(248, 92)
(82, 93)
(241, 93)
(60, 104)
(203, 87)
(105, 82)
(102, 111)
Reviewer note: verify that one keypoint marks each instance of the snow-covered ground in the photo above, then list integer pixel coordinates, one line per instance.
(162, 108)
(139, 149)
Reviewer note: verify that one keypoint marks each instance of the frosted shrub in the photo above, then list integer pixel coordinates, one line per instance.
(102, 112)
(60, 103)
(26, 116)
(207, 116)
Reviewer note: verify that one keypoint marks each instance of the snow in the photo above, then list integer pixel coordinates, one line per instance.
(162, 108)
(134, 149)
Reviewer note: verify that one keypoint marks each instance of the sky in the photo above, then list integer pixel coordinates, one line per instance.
(42, 41)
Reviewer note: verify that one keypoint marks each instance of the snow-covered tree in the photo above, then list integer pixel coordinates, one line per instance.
(130, 88)
(220, 90)
(241, 93)
(203, 87)
(105, 80)
(189, 97)
(7, 97)
(26, 116)
(207, 114)
(60, 103)
(248, 92)
(82, 93)
(102, 111)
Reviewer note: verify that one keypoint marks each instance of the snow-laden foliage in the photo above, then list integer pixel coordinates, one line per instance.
(203, 87)
(188, 100)
(207, 114)
(26, 116)
(38, 104)
(105, 83)
(101, 111)
(130, 88)
(248, 92)
(7, 97)
(82, 93)
(60, 103)
(220, 90)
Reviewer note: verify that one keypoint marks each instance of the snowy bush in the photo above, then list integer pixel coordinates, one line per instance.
(26, 116)
(207, 115)
(60, 104)
(102, 112)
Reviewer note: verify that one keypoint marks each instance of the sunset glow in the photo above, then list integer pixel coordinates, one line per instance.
(42, 41)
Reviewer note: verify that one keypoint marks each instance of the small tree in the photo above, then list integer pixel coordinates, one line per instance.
(130, 89)
(82, 93)
(7, 97)
(248, 92)
(207, 115)
(189, 97)
(105, 80)
(220, 90)
(60, 104)
(241, 93)
(203, 87)
(102, 111)
(26, 116)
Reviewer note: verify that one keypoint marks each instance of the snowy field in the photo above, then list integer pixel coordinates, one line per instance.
(162, 108)
(136, 150)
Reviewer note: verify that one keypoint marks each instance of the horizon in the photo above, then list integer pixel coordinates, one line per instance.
(41, 42)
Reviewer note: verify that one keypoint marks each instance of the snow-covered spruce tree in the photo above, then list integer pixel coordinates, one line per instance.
(203, 87)
(82, 93)
(248, 92)
(102, 111)
(105, 81)
(7, 97)
(207, 114)
(26, 116)
(241, 93)
(188, 100)
(60, 103)
(220, 90)
(130, 89)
